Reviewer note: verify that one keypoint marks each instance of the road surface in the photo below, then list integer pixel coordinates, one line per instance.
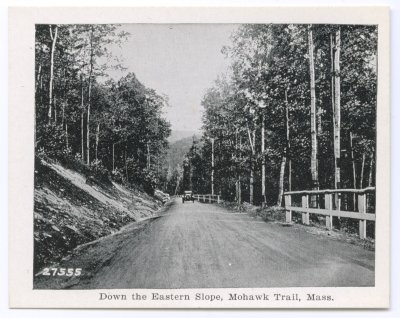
(195, 245)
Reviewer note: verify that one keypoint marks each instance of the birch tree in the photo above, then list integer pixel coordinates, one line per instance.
(336, 108)
(53, 36)
(314, 145)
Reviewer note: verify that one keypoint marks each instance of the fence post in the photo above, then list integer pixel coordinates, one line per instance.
(204, 198)
(217, 198)
(305, 216)
(362, 208)
(328, 206)
(288, 203)
(209, 198)
(338, 201)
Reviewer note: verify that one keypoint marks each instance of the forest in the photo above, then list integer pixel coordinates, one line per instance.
(295, 111)
(108, 129)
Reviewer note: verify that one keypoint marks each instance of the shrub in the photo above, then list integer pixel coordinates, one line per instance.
(50, 141)
(99, 172)
(118, 175)
(149, 181)
(273, 213)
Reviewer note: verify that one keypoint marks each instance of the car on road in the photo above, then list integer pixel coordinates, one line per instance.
(187, 196)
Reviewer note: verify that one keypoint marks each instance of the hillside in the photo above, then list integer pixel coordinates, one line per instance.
(69, 212)
(177, 151)
(181, 134)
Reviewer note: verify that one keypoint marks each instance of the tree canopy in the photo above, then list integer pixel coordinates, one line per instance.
(268, 91)
(115, 128)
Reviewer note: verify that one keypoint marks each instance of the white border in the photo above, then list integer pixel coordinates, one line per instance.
(308, 21)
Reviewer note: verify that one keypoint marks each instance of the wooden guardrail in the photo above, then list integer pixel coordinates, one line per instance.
(207, 198)
(328, 211)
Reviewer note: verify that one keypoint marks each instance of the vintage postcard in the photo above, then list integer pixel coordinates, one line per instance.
(199, 157)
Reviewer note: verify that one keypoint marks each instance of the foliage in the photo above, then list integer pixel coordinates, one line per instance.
(270, 67)
(127, 131)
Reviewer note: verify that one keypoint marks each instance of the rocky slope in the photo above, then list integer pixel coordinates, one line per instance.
(69, 212)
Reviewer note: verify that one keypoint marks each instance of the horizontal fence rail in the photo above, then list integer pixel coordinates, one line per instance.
(207, 198)
(330, 205)
(365, 190)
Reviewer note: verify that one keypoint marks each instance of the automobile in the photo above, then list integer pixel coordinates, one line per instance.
(187, 196)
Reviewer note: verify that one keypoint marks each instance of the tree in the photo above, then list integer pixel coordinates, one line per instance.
(314, 147)
(286, 155)
(53, 37)
(92, 43)
(336, 109)
(332, 93)
(121, 117)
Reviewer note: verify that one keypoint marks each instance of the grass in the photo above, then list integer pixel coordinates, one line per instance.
(345, 229)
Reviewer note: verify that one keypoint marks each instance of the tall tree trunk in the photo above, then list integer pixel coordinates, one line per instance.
(63, 115)
(82, 139)
(38, 78)
(53, 48)
(88, 125)
(336, 113)
(148, 155)
(353, 162)
(82, 121)
(319, 122)
(38, 82)
(290, 174)
(65, 88)
(89, 99)
(337, 105)
(41, 89)
(288, 149)
(362, 171)
(55, 109)
(239, 190)
(281, 179)
(354, 169)
(113, 157)
(285, 155)
(332, 44)
(212, 166)
(264, 199)
(239, 177)
(66, 134)
(371, 168)
(97, 138)
(236, 167)
(126, 165)
(251, 183)
(314, 144)
(253, 141)
(238, 161)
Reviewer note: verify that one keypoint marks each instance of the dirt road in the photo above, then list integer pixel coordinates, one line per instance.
(196, 245)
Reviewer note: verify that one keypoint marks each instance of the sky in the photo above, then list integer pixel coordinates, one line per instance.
(178, 60)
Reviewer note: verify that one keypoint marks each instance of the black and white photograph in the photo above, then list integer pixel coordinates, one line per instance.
(189, 156)
(206, 156)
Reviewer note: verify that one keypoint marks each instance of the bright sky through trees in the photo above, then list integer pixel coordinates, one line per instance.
(178, 60)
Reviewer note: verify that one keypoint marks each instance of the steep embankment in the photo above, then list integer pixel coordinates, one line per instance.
(69, 212)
